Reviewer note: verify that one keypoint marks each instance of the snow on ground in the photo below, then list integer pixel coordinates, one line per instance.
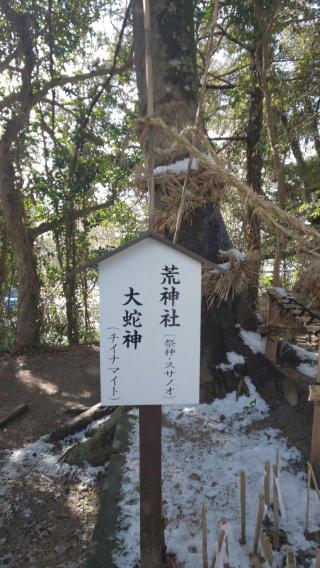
(42, 458)
(204, 449)
(309, 360)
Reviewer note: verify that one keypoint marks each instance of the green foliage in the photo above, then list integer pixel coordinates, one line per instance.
(79, 147)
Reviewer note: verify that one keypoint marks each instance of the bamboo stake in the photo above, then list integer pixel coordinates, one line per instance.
(306, 525)
(204, 536)
(150, 111)
(266, 484)
(221, 537)
(256, 563)
(258, 524)
(275, 511)
(291, 561)
(267, 548)
(243, 506)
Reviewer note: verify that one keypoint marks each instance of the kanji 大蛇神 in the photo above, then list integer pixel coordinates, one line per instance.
(132, 338)
(169, 273)
(131, 297)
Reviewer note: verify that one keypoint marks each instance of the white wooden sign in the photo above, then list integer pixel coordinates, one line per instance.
(150, 306)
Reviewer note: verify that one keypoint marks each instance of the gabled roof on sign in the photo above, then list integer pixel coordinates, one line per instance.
(147, 235)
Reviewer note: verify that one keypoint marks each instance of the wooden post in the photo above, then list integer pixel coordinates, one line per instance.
(318, 559)
(258, 524)
(276, 514)
(266, 484)
(291, 561)
(315, 438)
(267, 548)
(204, 536)
(243, 506)
(151, 526)
(272, 339)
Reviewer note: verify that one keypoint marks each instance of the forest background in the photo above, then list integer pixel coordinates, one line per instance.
(70, 159)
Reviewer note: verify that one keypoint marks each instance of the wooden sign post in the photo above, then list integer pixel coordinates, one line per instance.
(150, 310)
(152, 544)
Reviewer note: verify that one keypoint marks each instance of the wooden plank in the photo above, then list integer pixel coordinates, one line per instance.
(314, 393)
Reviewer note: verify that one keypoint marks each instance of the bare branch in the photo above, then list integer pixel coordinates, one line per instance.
(59, 81)
(76, 214)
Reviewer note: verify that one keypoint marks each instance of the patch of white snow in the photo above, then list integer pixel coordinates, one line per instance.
(253, 340)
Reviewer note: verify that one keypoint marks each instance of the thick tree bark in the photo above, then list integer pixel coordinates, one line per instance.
(22, 247)
(176, 97)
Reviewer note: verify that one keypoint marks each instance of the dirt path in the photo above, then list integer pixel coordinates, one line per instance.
(46, 523)
(51, 383)
(49, 523)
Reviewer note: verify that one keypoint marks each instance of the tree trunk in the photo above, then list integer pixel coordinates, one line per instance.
(254, 162)
(23, 254)
(176, 98)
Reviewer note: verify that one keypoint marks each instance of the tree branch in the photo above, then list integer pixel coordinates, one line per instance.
(39, 92)
(221, 87)
(227, 138)
(233, 39)
(76, 214)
